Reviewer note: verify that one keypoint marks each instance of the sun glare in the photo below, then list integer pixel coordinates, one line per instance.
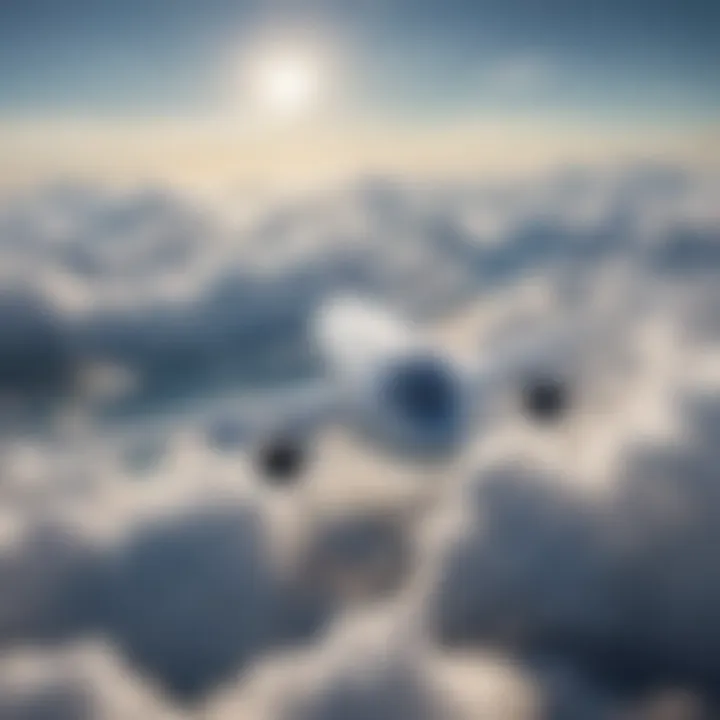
(287, 84)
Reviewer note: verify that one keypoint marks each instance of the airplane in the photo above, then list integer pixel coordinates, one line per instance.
(390, 385)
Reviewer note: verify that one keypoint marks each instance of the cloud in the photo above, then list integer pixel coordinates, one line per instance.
(191, 598)
(577, 570)
(621, 586)
(188, 595)
(374, 664)
(76, 682)
(51, 586)
(362, 670)
(189, 569)
(172, 289)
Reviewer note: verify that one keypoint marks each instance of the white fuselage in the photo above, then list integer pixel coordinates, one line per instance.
(397, 390)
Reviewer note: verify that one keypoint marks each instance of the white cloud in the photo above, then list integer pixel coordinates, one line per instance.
(163, 542)
(76, 682)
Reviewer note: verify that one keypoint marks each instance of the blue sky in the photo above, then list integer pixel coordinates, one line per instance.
(147, 89)
(414, 59)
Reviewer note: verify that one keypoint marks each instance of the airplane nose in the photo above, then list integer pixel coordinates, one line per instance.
(423, 392)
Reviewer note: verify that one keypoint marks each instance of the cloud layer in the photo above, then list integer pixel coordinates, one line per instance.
(563, 572)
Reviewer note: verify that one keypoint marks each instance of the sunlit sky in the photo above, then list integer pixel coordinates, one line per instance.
(378, 78)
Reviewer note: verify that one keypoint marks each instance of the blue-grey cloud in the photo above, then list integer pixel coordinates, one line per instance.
(598, 601)
(622, 586)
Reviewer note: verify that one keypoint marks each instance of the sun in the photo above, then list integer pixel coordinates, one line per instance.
(287, 84)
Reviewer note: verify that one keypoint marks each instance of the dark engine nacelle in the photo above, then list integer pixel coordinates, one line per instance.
(282, 460)
(546, 398)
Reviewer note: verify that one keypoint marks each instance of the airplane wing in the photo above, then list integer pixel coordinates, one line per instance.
(279, 429)
(275, 426)
(551, 362)
(298, 411)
